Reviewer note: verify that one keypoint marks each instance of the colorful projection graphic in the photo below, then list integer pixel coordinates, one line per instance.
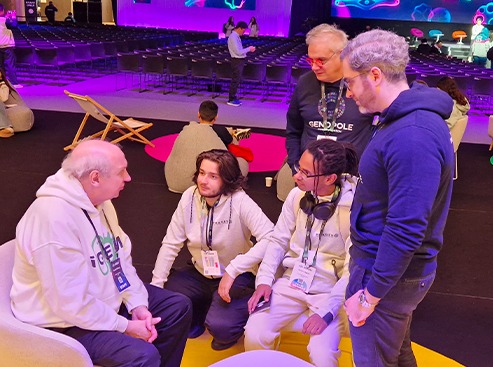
(224, 4)
(441, 11)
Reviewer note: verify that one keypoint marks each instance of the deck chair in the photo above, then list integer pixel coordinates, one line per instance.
(129, 128)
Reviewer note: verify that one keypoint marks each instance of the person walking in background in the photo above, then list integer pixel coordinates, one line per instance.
(228, 27)
(7, 54)
(50, 11)
(254, 28)
(238, 55)
(461, 104)
(402, 199)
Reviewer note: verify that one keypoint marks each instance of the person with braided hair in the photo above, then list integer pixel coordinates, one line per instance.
(311, 242)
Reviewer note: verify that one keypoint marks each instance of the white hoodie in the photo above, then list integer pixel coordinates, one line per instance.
(288, 241)
(236, 218)
(60, 278)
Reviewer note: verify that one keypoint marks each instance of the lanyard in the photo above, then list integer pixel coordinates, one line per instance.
(308, 240)
(323, 110)
(101, 246)
(208, 227)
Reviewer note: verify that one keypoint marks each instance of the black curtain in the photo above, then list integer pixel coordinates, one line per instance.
(114, 5)
(307, 14)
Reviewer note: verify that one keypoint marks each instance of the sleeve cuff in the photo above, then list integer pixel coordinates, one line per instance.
(122, 324)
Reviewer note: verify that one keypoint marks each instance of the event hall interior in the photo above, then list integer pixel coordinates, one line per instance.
(157, 60)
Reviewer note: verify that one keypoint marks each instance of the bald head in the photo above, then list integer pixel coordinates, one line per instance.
(100, 167)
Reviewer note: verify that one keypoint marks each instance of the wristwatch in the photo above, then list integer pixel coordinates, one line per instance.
(364, 303)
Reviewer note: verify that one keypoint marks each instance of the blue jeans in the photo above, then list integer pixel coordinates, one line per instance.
(112, 348)
(225, 321)
(385, 340)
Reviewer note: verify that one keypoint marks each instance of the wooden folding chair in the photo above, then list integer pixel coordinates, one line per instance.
(129, 128)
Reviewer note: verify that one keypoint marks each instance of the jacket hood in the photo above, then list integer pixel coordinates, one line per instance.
(419, 97)
(62, 186)
(462, 108)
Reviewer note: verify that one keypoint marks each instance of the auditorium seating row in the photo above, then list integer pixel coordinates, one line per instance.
(48, 46)
(194, 60)
(473, 80)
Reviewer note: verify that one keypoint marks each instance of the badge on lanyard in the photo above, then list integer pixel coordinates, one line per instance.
(320, 137)
(119, 277)
(302, 277)
(210, 262)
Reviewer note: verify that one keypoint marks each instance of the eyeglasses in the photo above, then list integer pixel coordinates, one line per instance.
(319, 62)
(305, 174)
(348, 81)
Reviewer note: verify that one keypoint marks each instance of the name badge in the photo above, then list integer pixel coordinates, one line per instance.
(210, 261)
(302, 277)
(320, 137)
(119, 277)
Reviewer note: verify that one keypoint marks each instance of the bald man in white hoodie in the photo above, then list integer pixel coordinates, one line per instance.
(73, 269)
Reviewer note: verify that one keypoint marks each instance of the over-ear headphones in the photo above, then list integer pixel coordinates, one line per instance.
(324, 210)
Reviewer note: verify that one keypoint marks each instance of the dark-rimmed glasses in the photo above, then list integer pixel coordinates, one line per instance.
(305, 174)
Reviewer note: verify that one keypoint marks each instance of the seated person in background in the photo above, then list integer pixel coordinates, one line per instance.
(6, 129)
(461, 104)
(311, 241)
(436, 48)
(73, 269)
(215, 219)
(15, 115)
(69, 18)
(424, 47)
(207, 115)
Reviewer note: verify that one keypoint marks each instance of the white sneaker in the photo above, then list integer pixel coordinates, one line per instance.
(240, 134)
(18, 86)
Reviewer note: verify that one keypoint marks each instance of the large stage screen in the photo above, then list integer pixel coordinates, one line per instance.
(224, 4)
(442, 11)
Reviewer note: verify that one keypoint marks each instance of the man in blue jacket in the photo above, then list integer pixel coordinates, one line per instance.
(401, 202)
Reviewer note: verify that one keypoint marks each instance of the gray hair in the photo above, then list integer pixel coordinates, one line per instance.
(326, 31)
(80, 165)
(383, 49)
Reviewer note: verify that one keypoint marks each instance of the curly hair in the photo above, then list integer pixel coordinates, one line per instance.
(448, 85)
(333, 157)
(229, 169)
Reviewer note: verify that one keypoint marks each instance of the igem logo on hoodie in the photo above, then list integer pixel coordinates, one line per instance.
(111, 248)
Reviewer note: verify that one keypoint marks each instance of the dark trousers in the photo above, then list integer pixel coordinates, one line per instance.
(237, 66)
(7, 60)
(225, 321)
(385, 338)
(115, 349)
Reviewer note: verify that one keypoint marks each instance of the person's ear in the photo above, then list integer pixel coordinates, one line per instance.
(95, 177)
(330, 179)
